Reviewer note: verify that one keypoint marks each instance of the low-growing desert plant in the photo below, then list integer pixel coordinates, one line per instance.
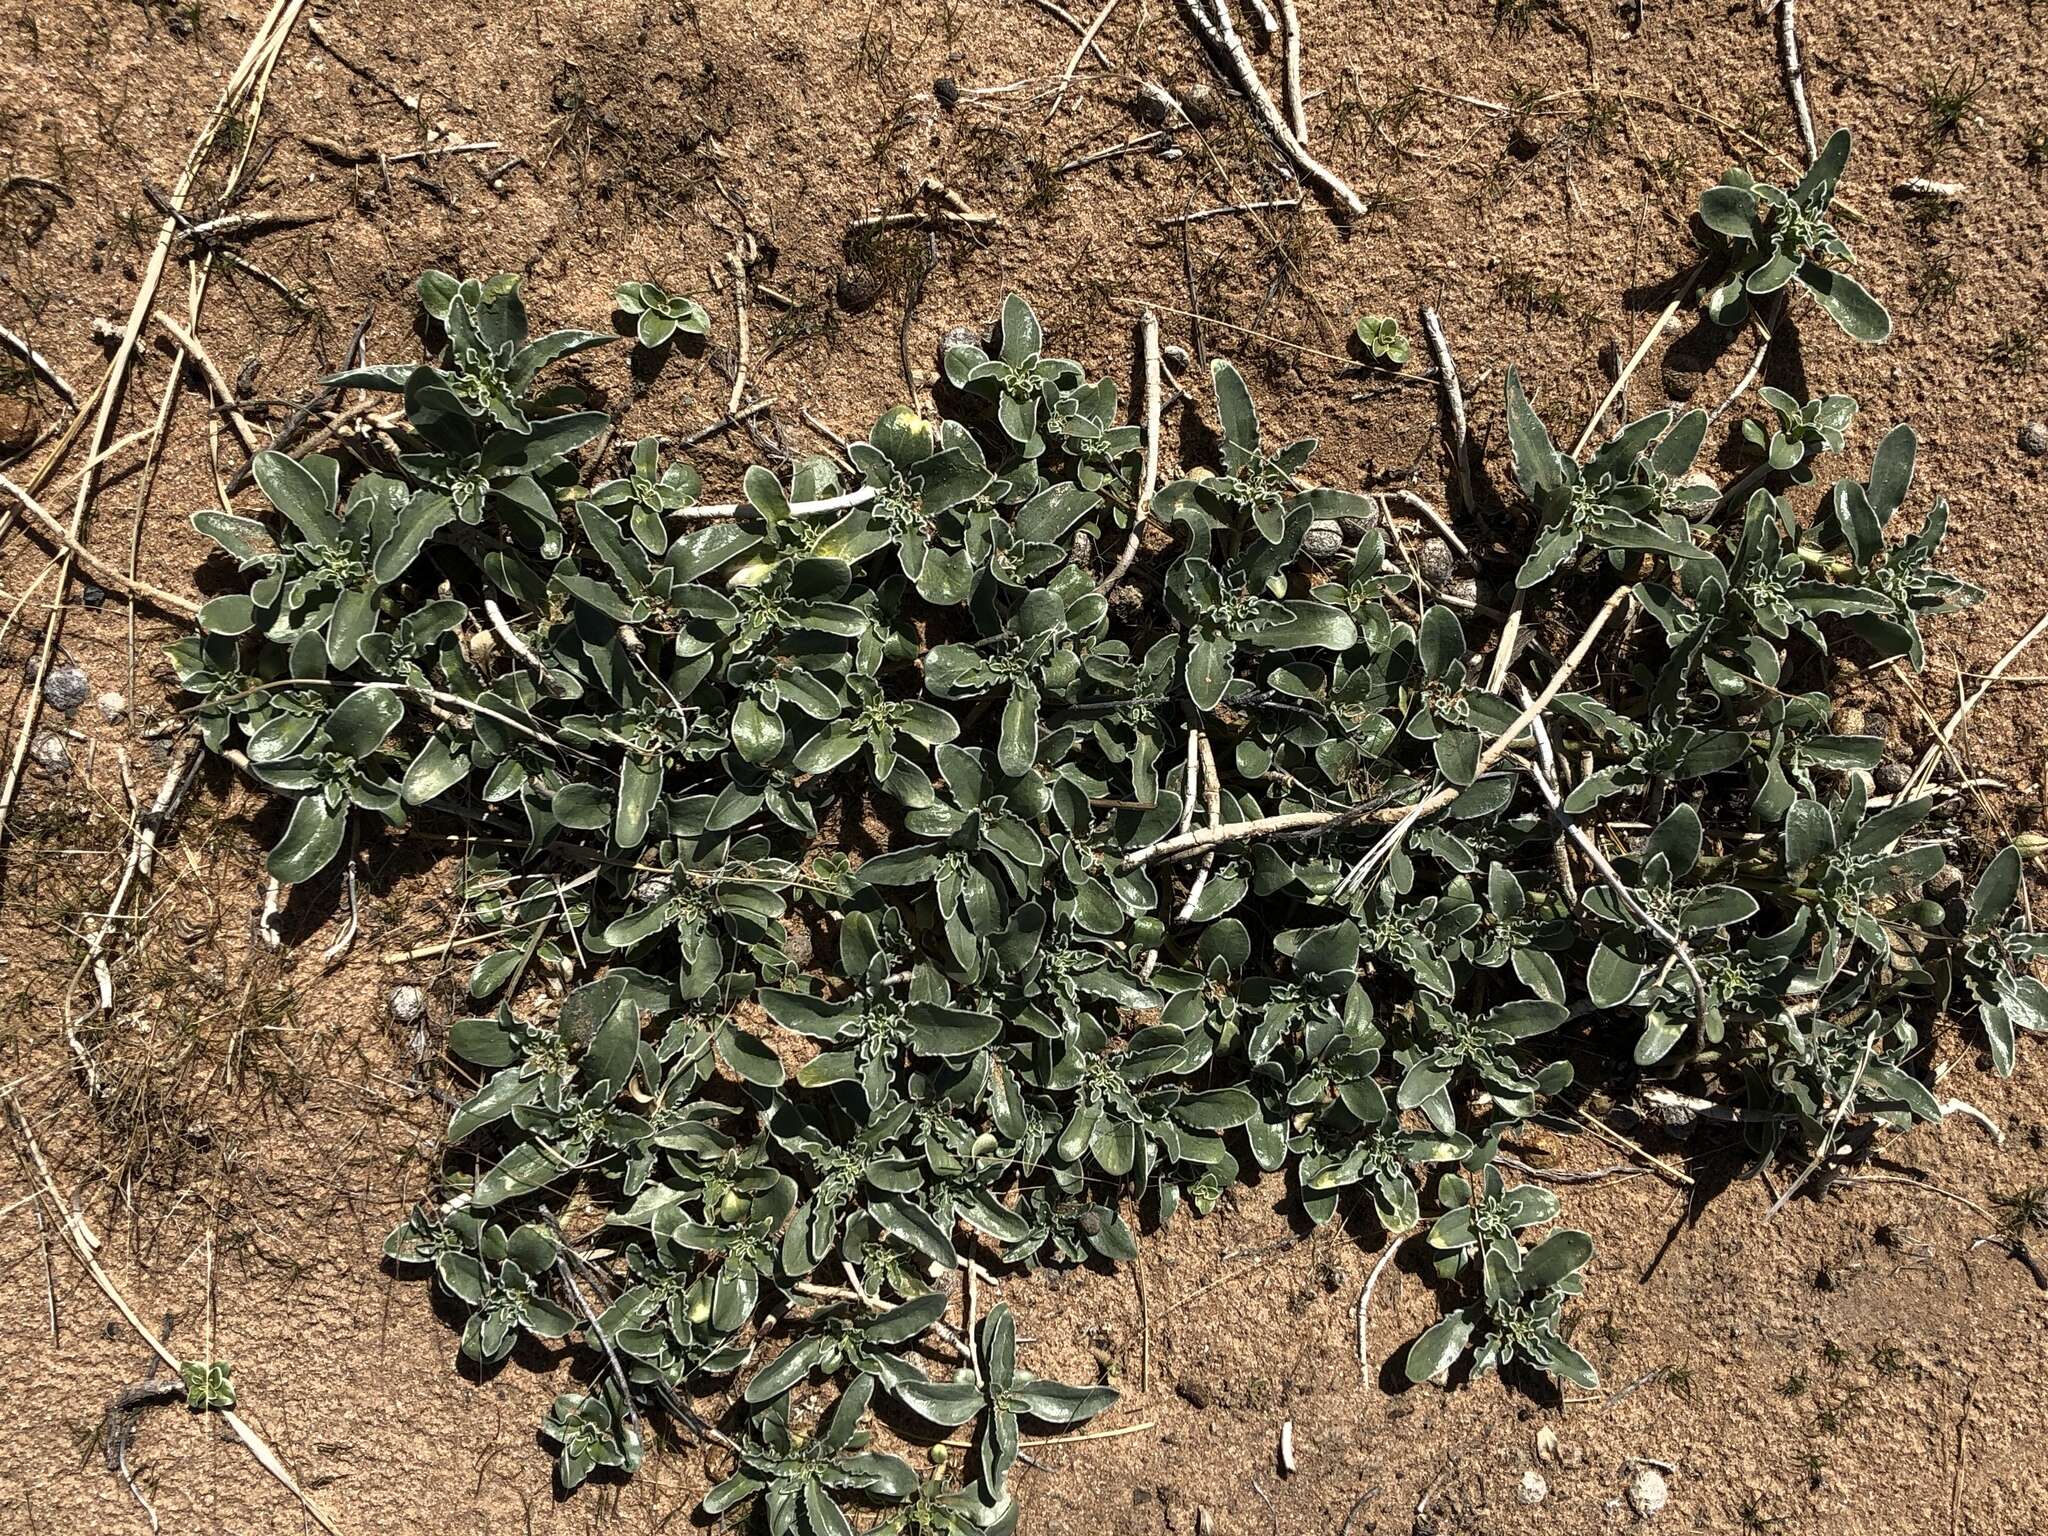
(1238, 865)
(1778, 237)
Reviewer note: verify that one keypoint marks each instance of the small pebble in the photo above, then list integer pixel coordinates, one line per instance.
(21, 422)
(2034, 438)
(92, 596)
(1434, 559)
(1534, 1489)
(113, 706)
(1681, 382)
(1648, 1493)
(66, 687)
(947, 90)
(1203, 104)
(1081, 548)
(408, 1004)
(1890, 778)
(1465, 590)
(1323, 540)
(1175, 357)
(857, 289)
(50, 754)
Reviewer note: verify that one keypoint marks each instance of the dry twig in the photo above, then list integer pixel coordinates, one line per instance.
(1298, 823)
(1365, 1306)
(1454, 407)
(1148, 346)
(1213, 24)
(107, 574)
(1795, 76)
(1291, 95)
(1087, 41)
(42, 365)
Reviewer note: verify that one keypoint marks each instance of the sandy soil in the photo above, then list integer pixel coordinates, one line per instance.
(1850, 1366)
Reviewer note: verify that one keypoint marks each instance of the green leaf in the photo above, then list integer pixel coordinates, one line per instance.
(1208, 671)
(422, 517)
(299, 494)
(749, 1056)
(946, 1403)
(1303, 625)
(311, 840)
(1998, 888)
(1536, 466)
(912, 1226)
(1017, 739)
(1234, 406)
(1847, 301)
(1557, 1256)
(230, 614)
(1729, 211)
(939, 1031)
(1441, 1345)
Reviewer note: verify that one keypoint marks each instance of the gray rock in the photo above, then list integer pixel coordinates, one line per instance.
(408, 1004)
(1648, 1493)
(50, 754)
(2034, 438)
(1203, 104)
(66, 687)
(857, 289)
(1176, 357)
(1324, 539)
(1681, 380)
(1434, 559)
(113, 707)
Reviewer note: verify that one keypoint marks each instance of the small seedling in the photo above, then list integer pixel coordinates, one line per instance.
(1946, 104)
(1383, 342)
(2022, 1213)
(2016, 350)
(2034, 147)
(209, 1385)
(660, 316)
